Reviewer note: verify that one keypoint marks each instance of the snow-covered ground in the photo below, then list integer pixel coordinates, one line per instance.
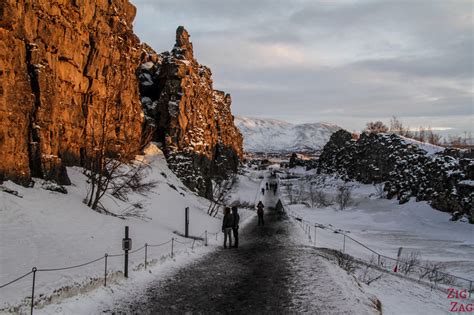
(428, 147)
(46, 229)
(384, 226)
(397, 294)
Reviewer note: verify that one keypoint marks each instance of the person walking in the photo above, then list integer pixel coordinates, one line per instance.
(260, 213)
(235, 228)
(227, 224)
(263, 191)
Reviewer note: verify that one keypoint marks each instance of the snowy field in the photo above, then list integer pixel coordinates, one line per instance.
(384, 226)
(397, 294)
(46, 229)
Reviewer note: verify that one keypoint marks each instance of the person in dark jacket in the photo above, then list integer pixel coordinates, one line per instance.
(235, 228)
(227, 224)
(260, 213)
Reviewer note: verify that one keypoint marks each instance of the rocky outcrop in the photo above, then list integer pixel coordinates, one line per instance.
(407, 170)
(63, 65)
(191, 120)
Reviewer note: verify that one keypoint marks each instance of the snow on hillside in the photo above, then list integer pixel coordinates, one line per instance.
(47, 229)
(384, 225)
(428, 147)
(269, 135)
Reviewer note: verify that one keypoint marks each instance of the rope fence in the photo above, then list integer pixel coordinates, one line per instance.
(203, 238)
(429, 273)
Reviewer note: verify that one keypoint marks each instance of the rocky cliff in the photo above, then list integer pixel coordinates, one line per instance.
(191, 120)
(66, 65)
(71, 74)
(445, 181)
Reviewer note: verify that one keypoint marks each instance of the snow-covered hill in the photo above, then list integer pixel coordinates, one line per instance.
(49, 229)
(270, 135)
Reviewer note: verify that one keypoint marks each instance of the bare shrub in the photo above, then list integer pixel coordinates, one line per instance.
(435, 272)
(379, 190)
(343, 196)
(408, 263)
(345, 261)
(368, 274)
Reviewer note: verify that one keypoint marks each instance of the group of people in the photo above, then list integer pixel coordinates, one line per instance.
(230, 224)
(271, 186)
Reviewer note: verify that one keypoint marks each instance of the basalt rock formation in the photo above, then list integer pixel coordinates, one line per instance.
(63, 64)
(445, 181)
(191, 120)
(73, 73)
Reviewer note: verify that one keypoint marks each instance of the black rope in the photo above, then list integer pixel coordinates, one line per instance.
(17, 279)
(138, 249)
(116, 255)
(184, 243)
(159, 244)
(72, 267)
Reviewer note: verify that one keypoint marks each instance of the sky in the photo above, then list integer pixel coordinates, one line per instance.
(345, 62)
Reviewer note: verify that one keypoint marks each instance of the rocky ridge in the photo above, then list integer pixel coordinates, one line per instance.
(69, 68)
(443, 179)
(192, 121)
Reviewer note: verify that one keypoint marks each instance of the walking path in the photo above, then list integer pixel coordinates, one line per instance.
(270, 272)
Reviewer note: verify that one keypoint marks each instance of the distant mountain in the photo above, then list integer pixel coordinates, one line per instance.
(270, 135)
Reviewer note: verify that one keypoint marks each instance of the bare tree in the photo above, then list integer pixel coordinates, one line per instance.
(376, 127)
(396, 126)
(433, 138)
(343, 196)
(318, 197)
(221, 189)
(107, 164)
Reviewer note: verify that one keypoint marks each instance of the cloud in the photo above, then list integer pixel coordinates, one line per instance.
(345, 62)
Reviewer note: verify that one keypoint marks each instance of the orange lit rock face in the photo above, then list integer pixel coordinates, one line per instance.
(61, 63)
(191, 119)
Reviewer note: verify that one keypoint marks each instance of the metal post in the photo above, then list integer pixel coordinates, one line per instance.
(146, 253)
(378, 260)
(126, 255)
(205, 239)
(33, 290)
(105, 270)
(186, 218)
(344, 244)
(172, 245)
(470, 288)
(192, 246)
(315, 228)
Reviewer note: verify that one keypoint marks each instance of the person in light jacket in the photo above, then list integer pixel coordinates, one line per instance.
(227, 225)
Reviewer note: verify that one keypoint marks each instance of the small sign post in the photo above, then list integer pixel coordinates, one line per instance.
(126, 246)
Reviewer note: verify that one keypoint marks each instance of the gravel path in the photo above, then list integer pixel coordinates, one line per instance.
(270, 273)
(267, 274)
